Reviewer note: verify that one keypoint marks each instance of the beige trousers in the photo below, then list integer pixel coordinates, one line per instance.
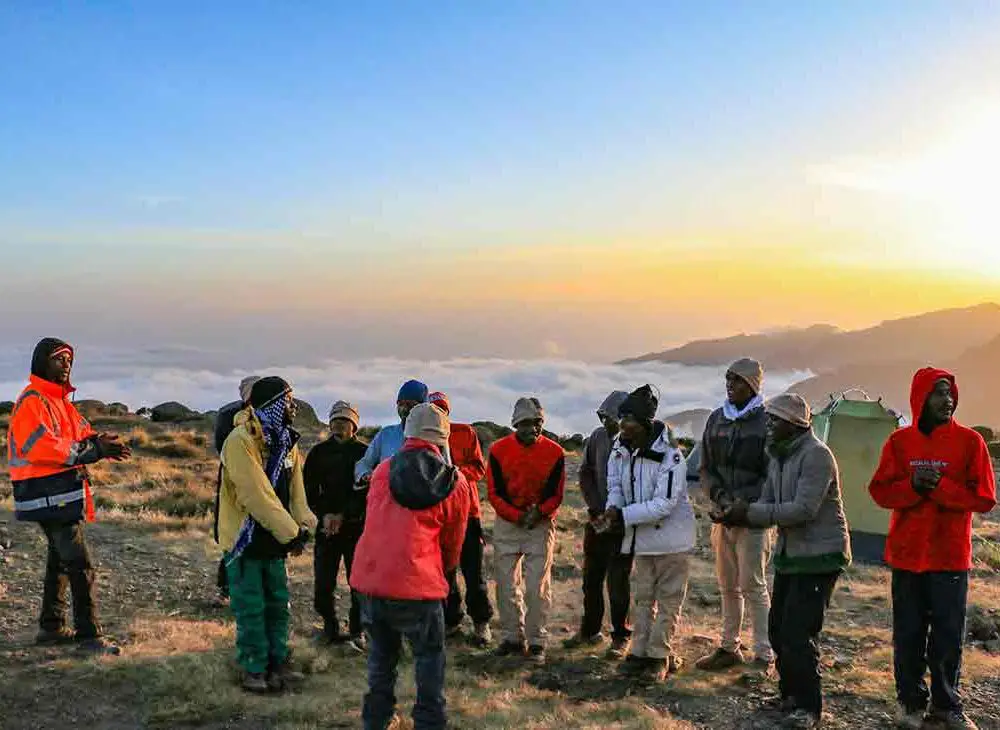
(659, 585)
(741, 556)
(514, 547)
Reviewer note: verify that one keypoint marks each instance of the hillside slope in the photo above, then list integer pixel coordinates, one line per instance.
(940, 336)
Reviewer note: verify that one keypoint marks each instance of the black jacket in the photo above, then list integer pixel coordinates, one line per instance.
(733, 456)
(329, 478)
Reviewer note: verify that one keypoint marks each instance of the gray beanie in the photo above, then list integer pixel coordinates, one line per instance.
(527, 409)
(429, 423)
(790, 407)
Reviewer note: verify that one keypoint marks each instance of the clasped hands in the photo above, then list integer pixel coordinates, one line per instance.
(610, 519)
(732, 513)
(925, 479)
(531, 518)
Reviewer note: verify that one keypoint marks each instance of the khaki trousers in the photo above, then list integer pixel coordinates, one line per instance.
(659, 586)
(741, 556)
(514, 547)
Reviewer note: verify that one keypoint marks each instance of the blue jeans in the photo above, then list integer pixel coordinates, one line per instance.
(387, 622)
(928, 628)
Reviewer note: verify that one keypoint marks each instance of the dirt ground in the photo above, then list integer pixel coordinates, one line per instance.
(156, 590)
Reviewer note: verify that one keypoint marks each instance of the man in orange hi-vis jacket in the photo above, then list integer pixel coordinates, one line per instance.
(49, 445)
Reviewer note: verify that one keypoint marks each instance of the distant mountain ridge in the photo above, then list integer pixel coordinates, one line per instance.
(821, 348)
(880, 360)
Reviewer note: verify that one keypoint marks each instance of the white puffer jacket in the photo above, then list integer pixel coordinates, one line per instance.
(649, 486)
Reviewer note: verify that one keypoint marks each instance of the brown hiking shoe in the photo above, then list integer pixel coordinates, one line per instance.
(619, 648)
(719, 660)
(255, 682)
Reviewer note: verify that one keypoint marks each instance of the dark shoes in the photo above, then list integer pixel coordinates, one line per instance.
(580, 640)
(284, 676)
(256, 683)
(510, 648)
(53, 637)
(536, 654)
(98, 645)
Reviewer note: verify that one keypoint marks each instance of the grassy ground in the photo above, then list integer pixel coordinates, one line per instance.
(156, 585)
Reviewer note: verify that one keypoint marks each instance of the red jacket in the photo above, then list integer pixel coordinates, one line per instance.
(933, 533)
(520, 477)
(467, 455)
(418, 507)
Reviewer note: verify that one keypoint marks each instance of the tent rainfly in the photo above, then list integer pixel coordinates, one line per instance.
(855, 430)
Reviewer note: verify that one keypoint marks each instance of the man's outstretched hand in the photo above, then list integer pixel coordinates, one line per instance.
(112, 447)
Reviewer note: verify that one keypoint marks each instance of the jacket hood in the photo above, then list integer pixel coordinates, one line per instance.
(419, 478)
(923, 383)
(43, 351)
(612, 403)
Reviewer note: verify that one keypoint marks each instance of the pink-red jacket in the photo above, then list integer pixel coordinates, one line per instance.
(418, 506)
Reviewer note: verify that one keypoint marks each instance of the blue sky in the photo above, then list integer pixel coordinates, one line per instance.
(209, 140)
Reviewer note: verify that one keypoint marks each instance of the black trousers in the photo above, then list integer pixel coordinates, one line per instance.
(327, 556)
(68, 566)
(477, 598)
(798, 606)
(928, 628)
(603, 564)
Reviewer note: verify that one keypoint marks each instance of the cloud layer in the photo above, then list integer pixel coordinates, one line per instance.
(478, 389)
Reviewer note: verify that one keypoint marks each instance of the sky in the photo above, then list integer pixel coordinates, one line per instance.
(276, 184)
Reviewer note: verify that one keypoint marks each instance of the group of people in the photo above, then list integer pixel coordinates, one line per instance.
(403, 516)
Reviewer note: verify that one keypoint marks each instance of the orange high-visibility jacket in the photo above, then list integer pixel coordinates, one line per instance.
(48, 445)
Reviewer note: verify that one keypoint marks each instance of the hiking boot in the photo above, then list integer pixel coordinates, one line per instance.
(536, 654)
(284, 676)
(783, 705)
(98, 645)
(331, 635)
(954, 720)
(52, 637)
(255, 682)
(358, 644)
(719, 660)
(619, 648)
(803, 720)
(674, 664)
(633, 665)
(578, 640)
(909, 719)
(510, 648)
(483, 635)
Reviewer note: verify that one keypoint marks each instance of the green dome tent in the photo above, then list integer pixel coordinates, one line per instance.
(855, 431)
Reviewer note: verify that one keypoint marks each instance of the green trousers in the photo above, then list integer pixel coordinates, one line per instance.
(258, 595)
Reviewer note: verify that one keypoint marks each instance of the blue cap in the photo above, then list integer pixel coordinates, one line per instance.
(413, 391)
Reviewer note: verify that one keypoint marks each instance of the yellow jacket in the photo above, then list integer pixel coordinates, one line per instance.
(246, 490)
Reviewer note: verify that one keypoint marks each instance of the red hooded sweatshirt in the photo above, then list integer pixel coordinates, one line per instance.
(933, 533)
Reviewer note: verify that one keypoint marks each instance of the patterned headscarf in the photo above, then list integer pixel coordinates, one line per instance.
(277, 436)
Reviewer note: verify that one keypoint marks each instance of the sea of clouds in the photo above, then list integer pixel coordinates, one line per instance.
(479, 390)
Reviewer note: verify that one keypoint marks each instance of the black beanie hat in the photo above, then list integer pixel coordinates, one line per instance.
(641, 404)
(43, 351)
(268, 389)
